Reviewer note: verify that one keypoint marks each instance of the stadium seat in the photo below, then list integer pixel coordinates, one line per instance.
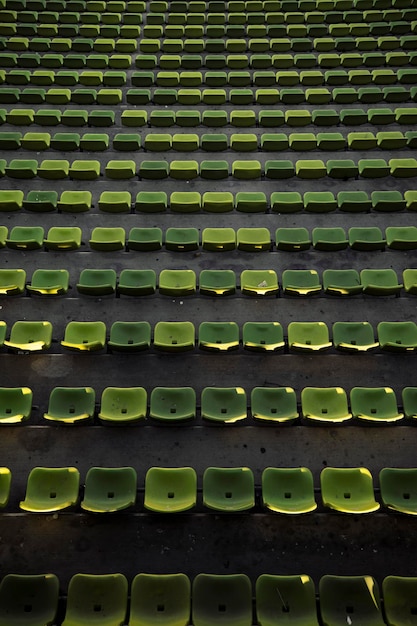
(109, 489)
(25, 238)
(172, 404)
(228, 489)
(49, 282)
(374, 404)
(107, 239)
(51, 489)
(292, 239)
(297, 596)
(223, 405)
(340, 596)
(397, 336)
(122, 405)
(263, 336)
(170, 489)
(60, 238)
(398, 489)
(325, 404)
(301, 282)
(18, 592)
(156, 594)
(380, 282)
(308, 337)
(274, 404)
(95, 598)
(28, 336)
(84, 336)
(259, 283)
(348, 490)
(129, 336)
(16, 407)
(12, 282)
(218, 336)
(288, 490)
(216, 594)
(69, 405)
(398, 593)
(354, 337)
(174, 336)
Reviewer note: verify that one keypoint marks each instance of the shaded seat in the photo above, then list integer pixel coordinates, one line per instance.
(409, 398)
(225, 405)
(62, 238)
(263, 336)
(41, 201)
(51, 489)
(259, 283)
(170, 489)
(30, 599)
(301, 282)
(84, 336)
(288, 490)
(285, 600)
(137, 282)
(30, 336)
(11, 199)
(218, 239)
(380, 282)
(49, 282)
(75, 201)
(401, 237)
(374, 404)
(96, 599)
(177, 282)
(366, 238)
(253, 239)
(292, 239)
(174, 336)
(69, 405)
(228, 489)
(109, 489)
(399, 593)
(342, 282)
(15, 404)
(25, 238)
(274, 404)
(325, 404)
(348, 490)
(12, 282)
(160, 598)
(97, 282)
(218, 336)
(144, 239)
(330, 239)
(217, 282)
(107, 239)
(122, 405)
(181, 239)
(172, 404)
(129, 336)
(397, 336)
(399, 489)
(354, 337)
(308, 336)
(410, 281)
(115, 201)
(222, 599)
(344, 596)
(151, 201)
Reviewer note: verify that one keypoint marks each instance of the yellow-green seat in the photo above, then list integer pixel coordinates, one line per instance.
(12, 281)
(325, 404)
(399, 489)
(348, 490)
(96, 599)
(397, 336)
(97, 282)
(161, 598)
(288, 490)
(228, 489)
(18, 592)
(177, 282)
(172, 404)
(342, 596)
(221, 597)
(301, 282)
(170, 489)
(274, 404)
(107, 239)
(27, 336)
(374, 404)
(354, 337)
(70, 405)
(296, 601)
(308, 337)
(15, 407)
(51, 489)
(109, 489)
(49, 282)
(122, 405)
(61, 238)
(84, 336)
(263, 336)
(174, 336)
(218, 336)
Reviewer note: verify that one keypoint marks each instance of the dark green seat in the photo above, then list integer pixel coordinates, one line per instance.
(36, 594)
(399, 490)
(51, 489)
(172, 404)
(151, 592)
(274, 404)
(109, 489)
(228, 489)
(340, 596)
(129, 336)
(288, 490)
(122, 405)
(94, 598)
(97, 282)
(170, 489)
(285, 599)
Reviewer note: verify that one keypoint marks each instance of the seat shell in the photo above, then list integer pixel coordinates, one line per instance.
(288, 491)
(150, 592)
(121, 405)
(109, 489)
(39, 592)
(51, 489)
(96, 599)
(348, 490)
(222, 599)
(170, 489)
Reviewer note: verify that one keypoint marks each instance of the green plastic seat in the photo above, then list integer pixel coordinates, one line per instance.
(301, 282)
(41, 201)
(259, 283)
(217, 282)
(228, 489)
(84, 170)
(253, 239)
(49, 282)
(22, 168)
(288, 490)
(330, 239)
(123, 405)
(325, 404)
(353, 201)
(387, 201)
(51, 489)
(225, 405)
(181, 239)
(263, 336)
(31, 598)
(12, 281)
(28, 336)
(246, 170)
(374, 404)
(285, 599)
(218, 336)
(347, 490)
(115, 201)
(165, 598)
(109, 489)
(75, 201)
(107, 239)
(366, 238)
(144, 239)
(11, 200)
(170, 489)
(401, 237)
(216, 594)
(93, 598)
(403, 168)
(177, 282)
(10, 140)
(354, 337)
(373, 168)
(97, 282)
(410, 281)
(397, 336)
(84, 336)
(218, 239)
(151, 201)
(274, 404)
(129, 336)
(70, 405)
(292, 239)
(399, 596)
(380, 282)
(319, 201)
(217, 201)
(120, 170)
(174, 336)
(16, 407)
(183, 170)
(172, 404)
(52, 169)
(65, 141)
(61, 238)
(308, 337)
(398, 490)
(342, 596)
(286, 202)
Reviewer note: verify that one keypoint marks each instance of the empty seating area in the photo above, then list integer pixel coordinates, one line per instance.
(208, 322)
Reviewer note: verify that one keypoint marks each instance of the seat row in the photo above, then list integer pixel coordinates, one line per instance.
(278, 600)
(211, 118)
(131, 6)
(218, 337)
(226, 489)
(219, 405)
(177, 239)
(219, 142)
(90, 169)
(215, 282)
(210, 201)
